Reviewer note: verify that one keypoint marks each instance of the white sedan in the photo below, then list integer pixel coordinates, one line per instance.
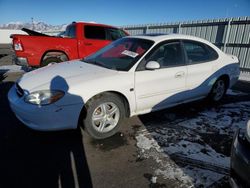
(133, 75)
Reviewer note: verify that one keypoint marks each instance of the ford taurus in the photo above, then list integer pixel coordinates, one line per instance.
(133, 75)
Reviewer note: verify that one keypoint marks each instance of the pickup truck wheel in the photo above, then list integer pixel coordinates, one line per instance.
(49, 60)
(104, 115)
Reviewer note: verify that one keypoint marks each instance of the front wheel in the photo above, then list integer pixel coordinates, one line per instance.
(104, 115)
(218, 90)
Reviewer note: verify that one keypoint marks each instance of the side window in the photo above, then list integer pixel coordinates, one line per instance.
(114, 34)
(198, 52)
(94, 32)
(70, 31)
(212, 53)
(168, 54)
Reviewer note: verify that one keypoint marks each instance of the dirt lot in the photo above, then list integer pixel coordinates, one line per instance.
(185, 146)
(5, 54)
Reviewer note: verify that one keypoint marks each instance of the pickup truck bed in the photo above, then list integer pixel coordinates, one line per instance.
(78, 41)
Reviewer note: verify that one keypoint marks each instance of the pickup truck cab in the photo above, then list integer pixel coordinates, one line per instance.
(79, 40)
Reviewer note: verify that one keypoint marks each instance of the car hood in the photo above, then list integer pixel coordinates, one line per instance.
(61, 75)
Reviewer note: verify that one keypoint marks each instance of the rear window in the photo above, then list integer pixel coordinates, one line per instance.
(103, 33)
(70, 31)
(94, 32)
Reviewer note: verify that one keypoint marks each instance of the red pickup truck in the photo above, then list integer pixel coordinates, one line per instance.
(79, 40)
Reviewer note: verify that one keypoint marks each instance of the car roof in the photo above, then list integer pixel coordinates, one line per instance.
(158, 37)
(94, 24)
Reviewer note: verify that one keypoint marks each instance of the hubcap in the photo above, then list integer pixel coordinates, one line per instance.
(219, 90)
(105, 117)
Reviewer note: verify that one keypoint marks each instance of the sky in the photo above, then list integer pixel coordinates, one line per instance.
(119, 13)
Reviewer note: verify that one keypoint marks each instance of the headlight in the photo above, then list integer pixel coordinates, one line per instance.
(248, 131)
(44, 97)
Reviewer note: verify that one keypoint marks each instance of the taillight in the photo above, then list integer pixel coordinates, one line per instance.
(17, 45)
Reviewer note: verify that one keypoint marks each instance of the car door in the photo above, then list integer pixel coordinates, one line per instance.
(159, 88)
(200, 68)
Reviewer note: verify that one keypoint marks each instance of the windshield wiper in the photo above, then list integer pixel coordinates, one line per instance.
(98, 63)
(94, 62)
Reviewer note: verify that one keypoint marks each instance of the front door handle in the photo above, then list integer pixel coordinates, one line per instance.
(179, 74)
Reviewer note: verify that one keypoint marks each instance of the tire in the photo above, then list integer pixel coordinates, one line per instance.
(218, 90)
(104, 115)
(56, 59)
(49, 60)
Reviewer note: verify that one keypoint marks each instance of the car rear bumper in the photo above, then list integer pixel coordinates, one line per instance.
(240, 161)
(44, 118)
(22, 61)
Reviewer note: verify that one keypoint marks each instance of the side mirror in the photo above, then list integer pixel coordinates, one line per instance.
(152, 65)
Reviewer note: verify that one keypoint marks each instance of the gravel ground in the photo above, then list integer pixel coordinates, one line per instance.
(5, 54)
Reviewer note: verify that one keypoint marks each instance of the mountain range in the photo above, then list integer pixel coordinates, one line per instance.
(37, 26)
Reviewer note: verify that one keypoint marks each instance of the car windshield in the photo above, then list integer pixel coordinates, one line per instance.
(120, 55)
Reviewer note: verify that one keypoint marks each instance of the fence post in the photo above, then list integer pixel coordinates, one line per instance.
(146, 30)
(227, 34)
(179, 28)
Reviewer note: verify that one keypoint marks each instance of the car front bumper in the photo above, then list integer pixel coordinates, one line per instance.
(44, 118)
(240, 161)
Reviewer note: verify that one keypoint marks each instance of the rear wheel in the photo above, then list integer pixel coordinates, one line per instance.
(54, 59)
(104, 115)
(218, 91)
(50, 60)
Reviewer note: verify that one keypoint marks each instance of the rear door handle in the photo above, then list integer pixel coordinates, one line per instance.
(179, 74)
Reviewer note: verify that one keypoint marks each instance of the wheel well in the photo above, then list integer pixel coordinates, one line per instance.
(84, 111)
(53, 53)
(226, 78)
(120, 95)
(125, 101)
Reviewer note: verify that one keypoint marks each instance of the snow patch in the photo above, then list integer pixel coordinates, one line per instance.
(183, 176)
(145, 143)
(11, 68)
(234, 92)
(184, 138)
(198, 152)
(245, 76)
